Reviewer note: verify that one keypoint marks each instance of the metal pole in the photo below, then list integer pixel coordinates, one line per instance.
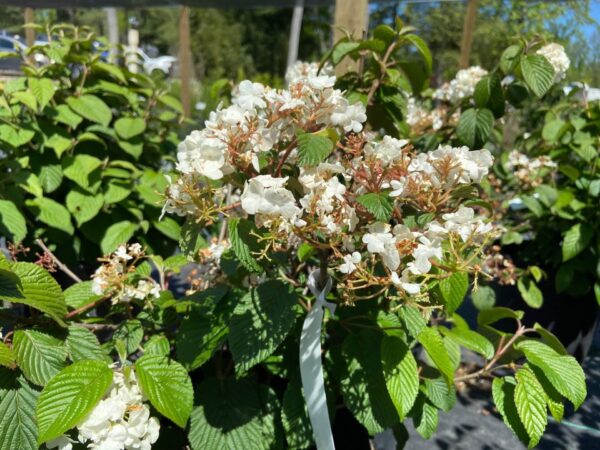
(185, 59)
(467, 36)
(113, 33)
(295, 28)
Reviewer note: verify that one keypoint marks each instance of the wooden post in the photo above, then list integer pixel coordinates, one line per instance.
(185, 60)
(467, 36)
(113, 33)
(29, 32)
(351, 16)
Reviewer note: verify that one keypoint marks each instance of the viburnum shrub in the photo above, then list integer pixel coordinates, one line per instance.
(83, 146)
(331, 262)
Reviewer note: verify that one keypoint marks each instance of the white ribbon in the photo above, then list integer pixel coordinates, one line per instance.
(311, 367)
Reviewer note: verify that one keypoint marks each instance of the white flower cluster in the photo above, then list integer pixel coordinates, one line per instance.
(259, 119)
(111, 277)
(420, 118)
(208, 270)
(529, 170)
(462, 86)
(335, 204)
(557, 57)
(303, 70)
(120, 421)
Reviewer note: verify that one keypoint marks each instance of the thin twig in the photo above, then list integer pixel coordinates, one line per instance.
(86, 307)
(57, 261)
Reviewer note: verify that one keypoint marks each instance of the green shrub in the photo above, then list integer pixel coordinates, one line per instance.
(85, 148)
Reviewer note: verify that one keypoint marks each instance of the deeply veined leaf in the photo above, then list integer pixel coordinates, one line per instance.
(538, 73)
(83, 344)
(454, 289)
(131, 334)
(531, 405)
(42, 89)
(92, 108)
(234, 414)
(69, 396)
(425, 417)
(80, 294)
(31, 285)
(18, 428)
(52, 213)
(313, 149)
(484, 297)
(422, 48)
(260, 322)
(39, 355)
(495, 314)
(432, 342)
(400, 373)
(84, 206)
(198, 337)
(377, 203)
(12, 222)
(474, 127)
(576, 239)
(563, 371)
(294, 416)
(167, 385)
(530, 292)
(471, 340)
(82, 169)
(440, 394)
(244, 243)
(503, 392)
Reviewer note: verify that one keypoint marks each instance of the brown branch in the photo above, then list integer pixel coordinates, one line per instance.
(84, 308)
(57, 261)
(287, 152)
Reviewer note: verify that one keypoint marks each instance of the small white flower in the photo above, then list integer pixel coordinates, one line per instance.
(61, 443)
(267, 195)
(404, 283)
(557, 57)
(203, 155)
(379, 240)
(249, 95)
(350, 262)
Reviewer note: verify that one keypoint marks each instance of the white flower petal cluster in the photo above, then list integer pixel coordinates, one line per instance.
(389, 150)
(557, 57)
(465, 223)
(529, 170)
(111, 277)
(121, 421)
(420, 118)
(267, 196)
(350, 262)
(306, 70)
(462, 86)
(260, 118)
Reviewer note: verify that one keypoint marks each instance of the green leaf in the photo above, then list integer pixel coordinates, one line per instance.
(167, 385)
(80, 294)
(412, 319)
(364, 388)
(42, 89)
(294, 416)
(313, 149)
(64, 114)
(425, 417)
(40, 356)
(131, 334)
(12, 222)
(158, 345)
(510, 58)
(83, 344)
(82, 170)
(503, 392)
(234, 414)
(26, 98)
(52, 214)
(84, 206)
(471, 340)
(377, 203)
(432, 342)
(453, 290)
(474, 127)
(554, 129)
(260, 322)
(7, 356)
(128, 127)
(92, 108)
(576, 240)
(244, 243)
(117, 234)
(563, 371)
(492, 315)
(169, 227)
(489, 94)
(34, 287)
(400, 373)
(116, 191)
(191, 240)
(422, 48)
(198, 337)
(530, 292)
(51, 177)
(440, 394)
(484, 297)
(70, 396)
(538, 73)
(15, 136)
(111, 69)
(530, 400)
(18, 428)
